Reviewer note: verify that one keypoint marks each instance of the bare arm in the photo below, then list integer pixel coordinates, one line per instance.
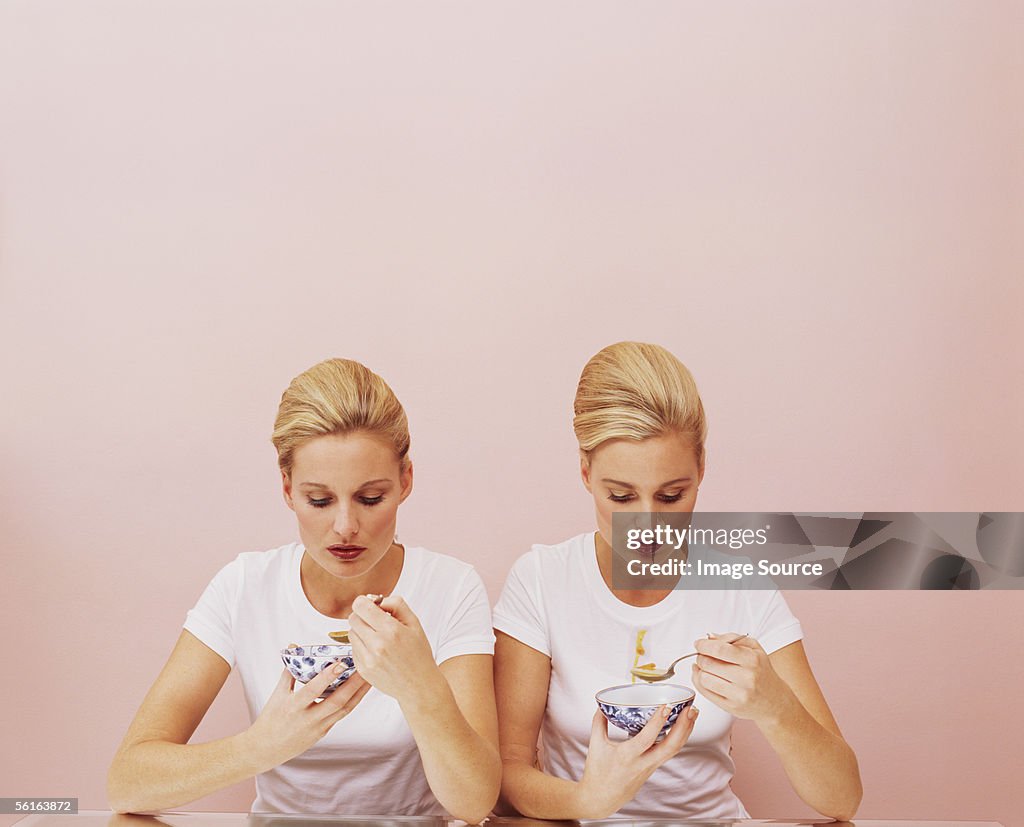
(449, 708)
(614, 772)
(156, 768)
(820, 764)
(780, 694)
(456, 730)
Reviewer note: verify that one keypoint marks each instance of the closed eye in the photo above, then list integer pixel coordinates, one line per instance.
(665, 498)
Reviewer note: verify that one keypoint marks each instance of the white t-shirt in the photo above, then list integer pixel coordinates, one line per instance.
(368, 762)
(555, 601)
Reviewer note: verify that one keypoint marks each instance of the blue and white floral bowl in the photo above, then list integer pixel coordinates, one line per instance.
(631, 705)
(306, 662)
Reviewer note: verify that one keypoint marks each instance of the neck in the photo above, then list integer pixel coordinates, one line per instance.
(333, 596)
(647, 596)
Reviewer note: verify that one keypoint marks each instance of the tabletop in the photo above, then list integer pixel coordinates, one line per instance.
(105, 818)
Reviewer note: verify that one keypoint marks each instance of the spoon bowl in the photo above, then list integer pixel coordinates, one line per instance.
(341, 636)
(652, 674)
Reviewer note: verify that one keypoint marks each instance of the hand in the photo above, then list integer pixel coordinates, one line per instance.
(291, 722)
(616, 770)
(390, 649)
(737, 676)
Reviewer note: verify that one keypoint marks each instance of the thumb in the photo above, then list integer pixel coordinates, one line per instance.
(284, 683)
(599, 728)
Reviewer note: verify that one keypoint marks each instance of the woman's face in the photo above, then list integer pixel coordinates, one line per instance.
(345, 491)
(656, 474)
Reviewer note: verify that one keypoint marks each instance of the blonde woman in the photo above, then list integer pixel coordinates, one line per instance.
(414, 730)
(564, 633)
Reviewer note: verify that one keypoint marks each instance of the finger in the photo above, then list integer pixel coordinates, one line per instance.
(721, 650)
(399, 609)
(677, 736)
(747, 643)
(712, 686)
(731, 672)
(599, 729)
(373, 615)
(315, 688)
(649, 734)
(736, 639)
(365, 612)
(284, 683)
(359, 626)
(361, 655)
(728, 637)
(350, 703)
(341, 696)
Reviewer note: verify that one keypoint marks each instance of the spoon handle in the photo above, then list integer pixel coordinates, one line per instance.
(672, 666)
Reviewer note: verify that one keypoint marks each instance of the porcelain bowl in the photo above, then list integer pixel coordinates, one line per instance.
(306, 662)
(631, 705)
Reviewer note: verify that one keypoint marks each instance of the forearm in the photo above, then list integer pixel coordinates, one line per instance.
(462, 768)
(158, 775)
(535, 794)
(821, 766)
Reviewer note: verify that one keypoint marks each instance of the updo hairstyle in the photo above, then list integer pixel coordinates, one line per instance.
(632, 390)
(338, 396)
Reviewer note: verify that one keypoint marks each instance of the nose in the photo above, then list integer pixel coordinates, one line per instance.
(346, 523)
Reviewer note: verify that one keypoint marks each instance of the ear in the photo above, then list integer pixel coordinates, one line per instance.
(585, 472)
(405, 480)
(286, 489)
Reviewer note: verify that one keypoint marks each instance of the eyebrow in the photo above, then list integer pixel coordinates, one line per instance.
(630, 485)
(321, 485)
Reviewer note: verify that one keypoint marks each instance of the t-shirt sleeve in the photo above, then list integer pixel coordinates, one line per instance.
(211, 619)
(468, 630)
(519, 612)
(776, 626)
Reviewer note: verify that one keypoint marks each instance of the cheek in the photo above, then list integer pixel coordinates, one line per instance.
(312, 519)
(381, 517)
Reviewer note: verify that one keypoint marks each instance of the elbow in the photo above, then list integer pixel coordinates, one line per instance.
(116, 799)
(848, 813)
(844, 813)
(472, 817)
(119, 793)
(476, 810)
(845, 809)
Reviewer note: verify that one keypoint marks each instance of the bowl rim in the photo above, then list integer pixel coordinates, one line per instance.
(691, 694)
(290, 650)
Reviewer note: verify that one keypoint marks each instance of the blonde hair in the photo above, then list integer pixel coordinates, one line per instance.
(338, 396)
(632, 390)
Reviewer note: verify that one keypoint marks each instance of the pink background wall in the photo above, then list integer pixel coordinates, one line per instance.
(818, 207)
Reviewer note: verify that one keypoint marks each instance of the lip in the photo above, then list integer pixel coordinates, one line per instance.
(346, 552)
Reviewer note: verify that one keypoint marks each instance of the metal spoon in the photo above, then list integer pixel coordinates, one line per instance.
(342, 636)
(653, 675)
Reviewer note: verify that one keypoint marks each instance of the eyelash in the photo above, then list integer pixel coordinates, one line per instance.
(665, 499)
(326, 501)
